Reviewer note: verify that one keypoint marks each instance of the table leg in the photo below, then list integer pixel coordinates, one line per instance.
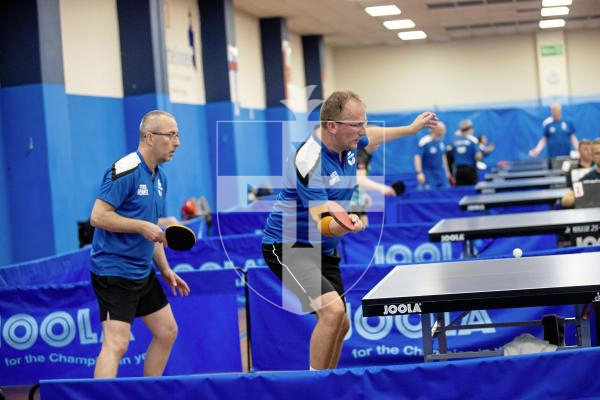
(468, 249)
(441, 323)
(584, 338)
(426, 332)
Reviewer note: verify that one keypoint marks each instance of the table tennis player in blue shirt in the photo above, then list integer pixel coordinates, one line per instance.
(559, 135)
(430, 160)
(126, 241)
(467, 153)
(300, 238)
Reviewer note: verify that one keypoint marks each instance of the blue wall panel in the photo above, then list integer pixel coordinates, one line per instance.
(189, 173)
(252, 149)
(29, 197)
(97, 127)
(5, 243)
(63, 188)
(135, 107)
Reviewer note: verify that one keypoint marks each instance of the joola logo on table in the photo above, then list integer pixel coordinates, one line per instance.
(394, 309)
(453, 237)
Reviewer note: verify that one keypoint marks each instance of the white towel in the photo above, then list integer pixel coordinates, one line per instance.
(527, 344)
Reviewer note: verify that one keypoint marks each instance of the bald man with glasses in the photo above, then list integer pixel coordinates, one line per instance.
(301, 237)
(126, 241)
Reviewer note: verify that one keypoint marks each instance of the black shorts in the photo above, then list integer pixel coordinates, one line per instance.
(466, 175)
(124, 299)
(306, 272)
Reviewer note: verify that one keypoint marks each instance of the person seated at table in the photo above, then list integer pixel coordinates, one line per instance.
(589, 154)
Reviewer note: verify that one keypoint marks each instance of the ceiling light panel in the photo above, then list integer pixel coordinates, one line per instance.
(552, 23)
(412, 35)
(556, 3)
(380, 11)
(554, 11)
(399, 24)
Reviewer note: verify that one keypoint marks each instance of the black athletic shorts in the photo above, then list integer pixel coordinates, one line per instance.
(124, 299)
(466, 175)
(306, 272)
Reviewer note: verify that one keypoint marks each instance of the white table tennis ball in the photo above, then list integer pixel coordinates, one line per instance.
(517, 252)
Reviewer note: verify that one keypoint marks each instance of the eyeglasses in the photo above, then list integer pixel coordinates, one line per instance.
(355, 124)
(171, 135)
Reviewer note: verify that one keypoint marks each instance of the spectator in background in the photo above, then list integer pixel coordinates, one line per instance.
(486, 147)
(263, 190)
(466, 153)
(361, 198)
(363, 160)
(430, 161)
(558, 134)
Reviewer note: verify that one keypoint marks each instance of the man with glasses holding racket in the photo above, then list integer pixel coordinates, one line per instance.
(308, 219)
(126, 241)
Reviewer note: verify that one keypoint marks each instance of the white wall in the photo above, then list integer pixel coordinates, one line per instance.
(329, 71)
(250, 65)
(91, 48)
(186, 80)
(417, 76)
(583, 62)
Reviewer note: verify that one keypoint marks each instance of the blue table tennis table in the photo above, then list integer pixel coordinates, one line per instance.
(482, 202)
(505, 175)
(520, 184)
(578, 223)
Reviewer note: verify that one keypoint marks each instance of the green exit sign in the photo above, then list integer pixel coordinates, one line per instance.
(551, 50)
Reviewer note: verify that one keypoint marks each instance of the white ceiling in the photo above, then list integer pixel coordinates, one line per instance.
(345, 22)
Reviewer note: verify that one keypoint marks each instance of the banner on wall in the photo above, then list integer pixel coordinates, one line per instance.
(54, 332)
(280, 339)
(235, 251)
(182, 40)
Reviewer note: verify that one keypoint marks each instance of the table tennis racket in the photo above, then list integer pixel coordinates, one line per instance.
(180, 237)
(340, 215)
(399, 187)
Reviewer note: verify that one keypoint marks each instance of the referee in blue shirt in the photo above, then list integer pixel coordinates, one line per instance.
(559, 134)
(126, 241)
(301, 237)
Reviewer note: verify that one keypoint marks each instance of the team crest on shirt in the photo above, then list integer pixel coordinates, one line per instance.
(552, 129)
(142, 190)
(334, 178)
(159, 186)
(433, 150)
(351, 158)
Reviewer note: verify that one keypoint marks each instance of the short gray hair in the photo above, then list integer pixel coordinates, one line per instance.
(332, 108)
(149, 118)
